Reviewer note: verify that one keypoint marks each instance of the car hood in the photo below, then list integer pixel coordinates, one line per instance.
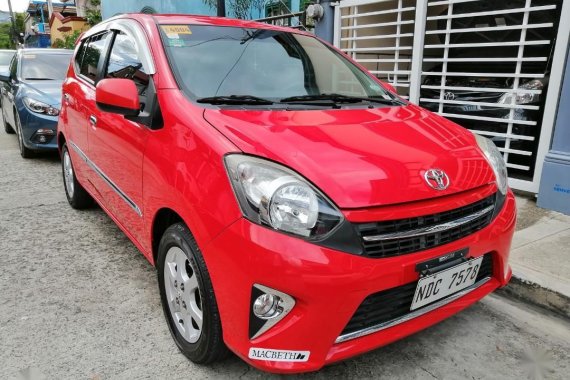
(48, 91)
(361, 157)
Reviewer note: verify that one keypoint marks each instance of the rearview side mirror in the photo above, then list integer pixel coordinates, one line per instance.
(116, 95)
(4, 76)
(390, 88)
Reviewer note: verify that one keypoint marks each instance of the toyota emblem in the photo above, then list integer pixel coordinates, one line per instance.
(436, 179)
(449, 96)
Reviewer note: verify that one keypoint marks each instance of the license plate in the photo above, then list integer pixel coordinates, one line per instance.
(442, 284)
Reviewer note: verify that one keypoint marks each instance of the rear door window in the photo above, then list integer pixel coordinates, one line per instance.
(124, 62)
(90, 54)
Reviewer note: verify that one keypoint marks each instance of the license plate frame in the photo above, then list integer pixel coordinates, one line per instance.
(445, 283)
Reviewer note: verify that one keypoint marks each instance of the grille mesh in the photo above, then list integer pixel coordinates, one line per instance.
(394, 303)
(401, 246)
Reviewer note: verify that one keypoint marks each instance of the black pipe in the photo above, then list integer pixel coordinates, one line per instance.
(221, 8)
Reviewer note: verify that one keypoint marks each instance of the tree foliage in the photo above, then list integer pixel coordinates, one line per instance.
(93, 12)
(244, 9)
(68, 41)
(6, 34)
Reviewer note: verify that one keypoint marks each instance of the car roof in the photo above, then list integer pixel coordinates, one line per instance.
(203, 20)
(7, 51)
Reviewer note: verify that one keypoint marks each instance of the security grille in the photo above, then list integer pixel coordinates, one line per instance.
(491, 66)
(379, 35)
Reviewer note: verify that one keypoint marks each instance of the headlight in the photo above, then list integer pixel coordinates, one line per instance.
(523, 97)
(496, 161)
(40, 107)
(273, 195)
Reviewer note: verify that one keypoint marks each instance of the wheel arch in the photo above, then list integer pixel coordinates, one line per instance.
(60, 141)
(163, 218)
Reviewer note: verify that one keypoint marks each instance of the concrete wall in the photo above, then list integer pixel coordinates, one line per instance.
(75, 25)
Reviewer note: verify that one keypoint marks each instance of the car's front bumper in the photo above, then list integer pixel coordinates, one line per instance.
(328, 286)
(33, 122)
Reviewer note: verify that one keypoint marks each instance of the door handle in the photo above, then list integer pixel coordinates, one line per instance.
(93, 120)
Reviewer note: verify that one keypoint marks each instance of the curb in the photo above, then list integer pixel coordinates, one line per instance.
(524, 288)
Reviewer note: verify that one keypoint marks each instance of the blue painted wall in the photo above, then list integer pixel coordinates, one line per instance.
(109, 8)
(554, 192)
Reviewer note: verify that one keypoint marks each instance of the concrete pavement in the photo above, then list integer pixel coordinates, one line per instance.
(78, 301)
(540, 257)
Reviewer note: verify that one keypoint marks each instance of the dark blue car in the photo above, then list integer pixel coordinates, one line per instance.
(31, 97)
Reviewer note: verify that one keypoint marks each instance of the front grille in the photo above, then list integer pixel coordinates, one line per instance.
(393, 246)
(395, 303)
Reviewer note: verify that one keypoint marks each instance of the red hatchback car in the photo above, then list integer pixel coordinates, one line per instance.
(297, 210)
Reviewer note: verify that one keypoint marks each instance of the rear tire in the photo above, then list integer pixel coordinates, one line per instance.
(77, 196)
(9, 130)
(188, 298)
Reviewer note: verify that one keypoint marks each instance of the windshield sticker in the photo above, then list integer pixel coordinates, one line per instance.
(175, 42)
(178, 35)
(174, 31)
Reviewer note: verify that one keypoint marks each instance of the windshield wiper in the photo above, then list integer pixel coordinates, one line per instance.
(235, 99)
(338, 98)
(38, 79)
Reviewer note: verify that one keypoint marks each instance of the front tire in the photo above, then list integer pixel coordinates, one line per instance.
(24, 151)
(76, 194)
(188, 298)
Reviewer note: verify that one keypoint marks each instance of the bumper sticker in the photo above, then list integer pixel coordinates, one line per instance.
(278, 355)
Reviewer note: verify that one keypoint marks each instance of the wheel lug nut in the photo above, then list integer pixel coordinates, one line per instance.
(182, 287)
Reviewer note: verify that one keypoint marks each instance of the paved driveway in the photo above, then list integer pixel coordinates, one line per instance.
(78, 301)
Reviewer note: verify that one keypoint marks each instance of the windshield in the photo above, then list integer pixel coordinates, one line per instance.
(6, 57)
(213, 61)
(44, 66)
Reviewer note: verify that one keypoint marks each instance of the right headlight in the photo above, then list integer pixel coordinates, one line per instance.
(40, 107)
(273, 195)
(523, 97)
(496, 161)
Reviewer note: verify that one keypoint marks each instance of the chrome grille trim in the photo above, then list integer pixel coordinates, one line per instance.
(431, 229)
(411, 315)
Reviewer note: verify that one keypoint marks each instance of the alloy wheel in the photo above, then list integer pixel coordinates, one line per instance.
(183, 294)
(68, 174)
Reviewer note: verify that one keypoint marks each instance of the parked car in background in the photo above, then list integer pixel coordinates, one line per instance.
(6, 56)
(31, 97)
(476, 85)
(297, 210)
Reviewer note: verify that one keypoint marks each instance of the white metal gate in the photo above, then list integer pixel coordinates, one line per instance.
(493, 67)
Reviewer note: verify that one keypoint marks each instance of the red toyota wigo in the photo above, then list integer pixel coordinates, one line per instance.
(298, 212)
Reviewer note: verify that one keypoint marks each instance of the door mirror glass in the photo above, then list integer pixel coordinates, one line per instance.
(118, 96)
(4, 76)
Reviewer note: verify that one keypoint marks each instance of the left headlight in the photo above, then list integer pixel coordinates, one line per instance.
(496, 161)
(273, 195)
(40, 107)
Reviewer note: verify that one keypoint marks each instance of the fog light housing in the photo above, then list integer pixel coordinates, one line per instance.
(42, 136)
(267, 307)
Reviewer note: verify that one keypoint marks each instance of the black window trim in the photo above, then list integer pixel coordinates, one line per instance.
(104, 54)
